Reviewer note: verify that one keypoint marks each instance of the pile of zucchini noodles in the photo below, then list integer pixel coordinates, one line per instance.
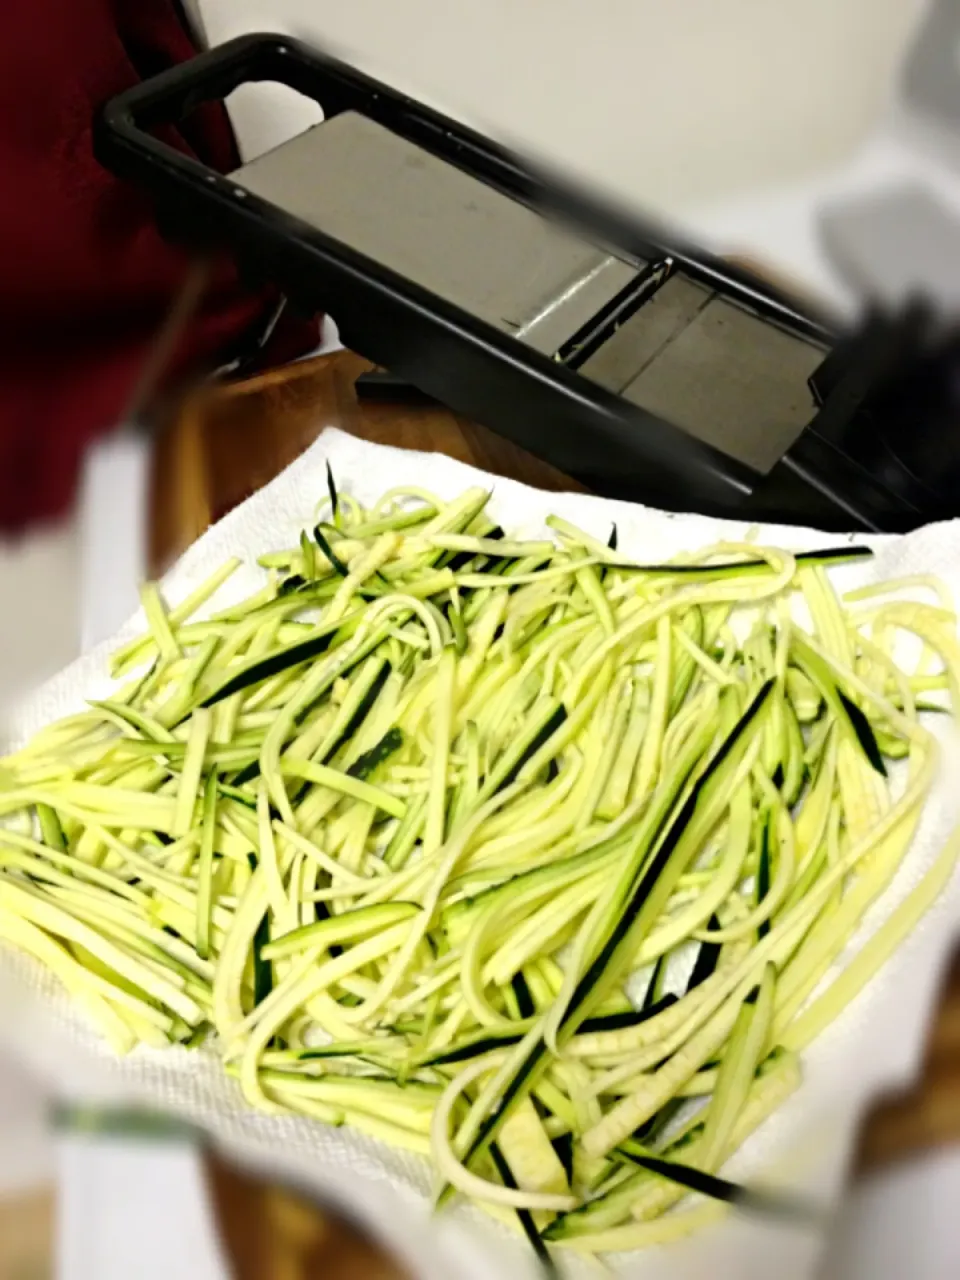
(517, 854)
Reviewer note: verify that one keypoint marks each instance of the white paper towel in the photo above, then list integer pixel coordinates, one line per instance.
(877, 1041)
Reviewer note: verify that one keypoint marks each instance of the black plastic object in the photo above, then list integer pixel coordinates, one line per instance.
(566, 405)
(384, 387)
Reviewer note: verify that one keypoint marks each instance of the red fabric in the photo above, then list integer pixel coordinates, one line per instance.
(85, 278)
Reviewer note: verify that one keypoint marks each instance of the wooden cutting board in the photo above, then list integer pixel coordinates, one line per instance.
(230, 440)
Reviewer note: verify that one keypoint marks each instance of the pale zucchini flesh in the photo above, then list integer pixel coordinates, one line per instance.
(520, 833)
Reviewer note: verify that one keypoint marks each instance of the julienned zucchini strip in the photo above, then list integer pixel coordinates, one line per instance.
(479, 1045)
(736, 568)
(524, 1216)
(659, 861)
(260, 669)
(751, 1199)
(403, 835)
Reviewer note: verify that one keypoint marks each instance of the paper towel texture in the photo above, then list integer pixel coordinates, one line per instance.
(877, 1041)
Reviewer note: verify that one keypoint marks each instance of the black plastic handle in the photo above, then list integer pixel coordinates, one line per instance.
(122, 140)
(613, 446)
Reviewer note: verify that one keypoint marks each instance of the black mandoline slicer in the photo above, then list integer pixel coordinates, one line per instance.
(644, 368)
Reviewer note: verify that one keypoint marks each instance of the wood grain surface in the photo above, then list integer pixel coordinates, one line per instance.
(28, 1236)
(227, 442)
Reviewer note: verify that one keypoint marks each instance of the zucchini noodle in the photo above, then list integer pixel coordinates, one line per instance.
(408, 830)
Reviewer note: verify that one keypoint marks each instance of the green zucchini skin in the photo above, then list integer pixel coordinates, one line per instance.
(707, 958)
(292, 656)
(525, 1218)
(364, 765)
(500, 776)
(335, 562)
(476, 1047)
(763, 1203)
(332, 491)
(535, 1058)
(827, 556)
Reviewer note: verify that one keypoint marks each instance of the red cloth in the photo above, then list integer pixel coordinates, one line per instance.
(85, 279)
